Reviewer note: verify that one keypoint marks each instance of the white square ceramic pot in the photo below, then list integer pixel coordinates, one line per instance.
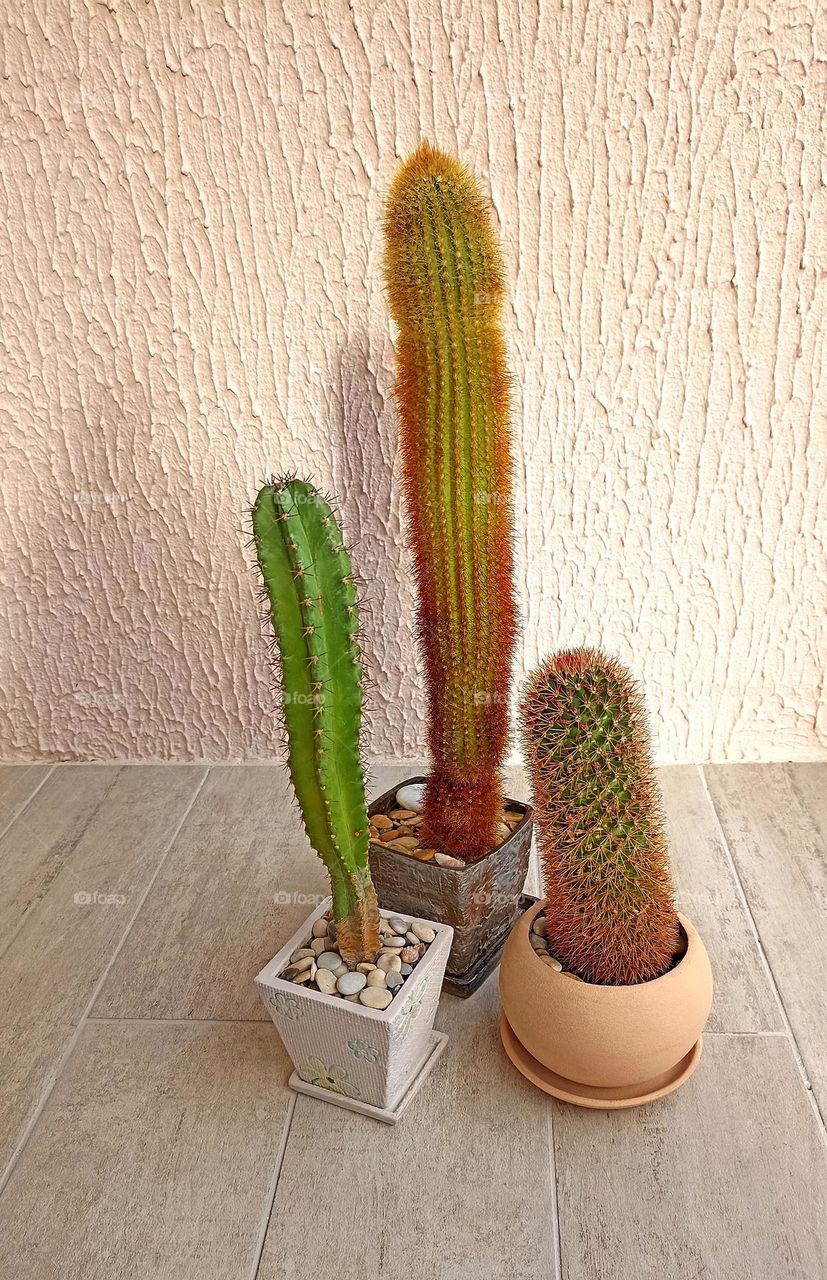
(368, 1054)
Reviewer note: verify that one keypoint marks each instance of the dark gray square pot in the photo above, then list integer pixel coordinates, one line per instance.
(480, 901)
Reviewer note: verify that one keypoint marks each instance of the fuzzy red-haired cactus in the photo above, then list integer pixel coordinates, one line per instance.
(445, 283)
(610, 916)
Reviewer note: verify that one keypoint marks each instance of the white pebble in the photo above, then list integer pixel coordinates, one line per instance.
(375, 997)
(398, 924)
(395, 941)
(350, 983)
(411, 796)
(326, 981)
(422, 932)
(378, 978)
(320, 928)
(329, 960)
(389, 964)
(445, 860)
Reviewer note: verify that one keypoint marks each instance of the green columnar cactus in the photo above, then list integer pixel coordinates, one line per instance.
(308, 582)
(610, 916)
(444, 278)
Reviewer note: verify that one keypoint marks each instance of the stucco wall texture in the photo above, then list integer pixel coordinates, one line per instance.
(190, 207)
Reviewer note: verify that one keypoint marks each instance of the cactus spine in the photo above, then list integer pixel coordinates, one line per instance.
(445, 283)
(308, 582)
(610, 916)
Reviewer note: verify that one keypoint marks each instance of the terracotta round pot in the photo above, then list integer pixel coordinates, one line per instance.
(628, 1039)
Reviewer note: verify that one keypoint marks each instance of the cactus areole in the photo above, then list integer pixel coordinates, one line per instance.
(610, 916)
(308, 586)
(445, 284)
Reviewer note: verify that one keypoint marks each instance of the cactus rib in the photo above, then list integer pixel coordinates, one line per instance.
(309, 584)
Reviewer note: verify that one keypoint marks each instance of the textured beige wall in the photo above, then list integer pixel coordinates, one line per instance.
(189, 235)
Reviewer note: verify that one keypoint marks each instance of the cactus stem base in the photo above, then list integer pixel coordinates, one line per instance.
(460, 813)
(357, 926)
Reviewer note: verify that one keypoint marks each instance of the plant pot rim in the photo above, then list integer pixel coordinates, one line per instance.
(606, 992)
(528, 816)
(268, 975)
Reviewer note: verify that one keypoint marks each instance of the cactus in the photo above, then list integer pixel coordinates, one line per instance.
(610, 916)
(444, 278)
(308, 583)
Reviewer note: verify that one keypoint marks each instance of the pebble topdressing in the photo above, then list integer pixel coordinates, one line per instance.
(319, 966)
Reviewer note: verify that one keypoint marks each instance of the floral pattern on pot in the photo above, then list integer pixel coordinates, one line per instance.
(409, 1011)
(332, 1078)
(282, 1004)
(360, 1049)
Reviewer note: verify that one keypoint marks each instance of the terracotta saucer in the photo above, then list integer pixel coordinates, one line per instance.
(584, 1095)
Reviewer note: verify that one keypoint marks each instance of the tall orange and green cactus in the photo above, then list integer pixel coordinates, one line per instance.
(444, 277)
(610, 915)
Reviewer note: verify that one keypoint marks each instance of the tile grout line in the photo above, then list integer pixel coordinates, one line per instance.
(773, 1035)
(273, 1186)
(21, 809)
(69, 1049)
(555, 1207)
(802, 1067)
(100, 1020)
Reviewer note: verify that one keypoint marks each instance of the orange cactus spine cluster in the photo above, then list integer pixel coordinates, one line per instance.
(610, 916)
(445, 283)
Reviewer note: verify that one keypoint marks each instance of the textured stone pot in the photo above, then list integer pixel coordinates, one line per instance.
(371, 1055)
(634, 1042)
(480, 901)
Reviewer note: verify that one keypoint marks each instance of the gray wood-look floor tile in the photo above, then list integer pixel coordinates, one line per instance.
(240, 879)
(152, 1159)
(773, 817)
(91, 832)
(156, 1151)
(707, 892)
(462, 1186)
(41, 843)
(18, 783)
(724, 1180)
